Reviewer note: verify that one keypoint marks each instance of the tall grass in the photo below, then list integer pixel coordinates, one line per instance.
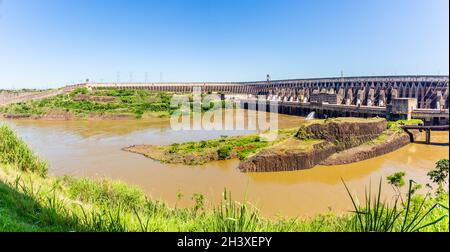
(377, 215)
(46, 204)
(14, 150)
(232, 216)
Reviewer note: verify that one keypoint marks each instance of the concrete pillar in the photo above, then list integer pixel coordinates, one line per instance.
(427, 136)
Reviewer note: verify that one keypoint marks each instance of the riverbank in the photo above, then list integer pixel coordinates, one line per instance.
(63, 115)
(84, 104)
(108, 104)
(31, 200)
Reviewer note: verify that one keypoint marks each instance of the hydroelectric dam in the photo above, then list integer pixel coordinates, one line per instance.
(394, 97)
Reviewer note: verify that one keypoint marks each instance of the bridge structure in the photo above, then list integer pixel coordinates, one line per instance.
(427, 130)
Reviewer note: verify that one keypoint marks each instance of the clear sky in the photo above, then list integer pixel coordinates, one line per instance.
(50, 43)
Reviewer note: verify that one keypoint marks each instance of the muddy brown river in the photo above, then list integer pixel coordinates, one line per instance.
(93, 149)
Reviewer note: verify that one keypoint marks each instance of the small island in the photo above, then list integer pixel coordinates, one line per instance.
(328, 142)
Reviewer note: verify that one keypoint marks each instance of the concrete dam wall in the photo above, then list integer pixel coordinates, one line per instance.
(431, 92)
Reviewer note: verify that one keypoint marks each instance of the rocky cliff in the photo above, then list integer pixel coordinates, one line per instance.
(272, 160)
(344, 133)
(368, 150)
(336, 135)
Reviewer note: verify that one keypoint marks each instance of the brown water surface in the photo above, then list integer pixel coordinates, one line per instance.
(93, 148)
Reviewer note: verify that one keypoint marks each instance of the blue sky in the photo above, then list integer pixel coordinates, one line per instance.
(50, 43)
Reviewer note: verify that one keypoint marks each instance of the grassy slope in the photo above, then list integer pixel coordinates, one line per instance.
(29, 202)
(394, 130)
(104, 103)
(137, 103)
(32, 201)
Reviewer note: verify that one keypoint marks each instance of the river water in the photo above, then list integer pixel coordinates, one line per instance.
(93, 149)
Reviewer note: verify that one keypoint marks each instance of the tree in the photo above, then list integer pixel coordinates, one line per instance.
(397, 181)
(440, 174)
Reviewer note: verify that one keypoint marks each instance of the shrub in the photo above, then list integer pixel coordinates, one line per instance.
(224, 152)
(396, 179)
(78, 91)
(440, 174)
(174, 148)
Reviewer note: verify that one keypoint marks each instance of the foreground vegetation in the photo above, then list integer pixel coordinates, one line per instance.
(32, 201)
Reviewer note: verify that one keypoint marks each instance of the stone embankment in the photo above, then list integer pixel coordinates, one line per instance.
(338, 136)
(327, 142)
(369, 150)
(271, 160)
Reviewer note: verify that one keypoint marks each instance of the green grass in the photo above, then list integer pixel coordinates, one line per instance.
(225, 146)
(82, 102)
(242, 147)
(104, 192)
(194, 153)
(413, 215)
(14, 150)
(341, 120)
(32, 202)
(396, 124)
(394, 130)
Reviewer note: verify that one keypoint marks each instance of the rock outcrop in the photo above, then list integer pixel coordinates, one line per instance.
(343, 133)
(271, 160)
(368, 150)
(336, 135)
